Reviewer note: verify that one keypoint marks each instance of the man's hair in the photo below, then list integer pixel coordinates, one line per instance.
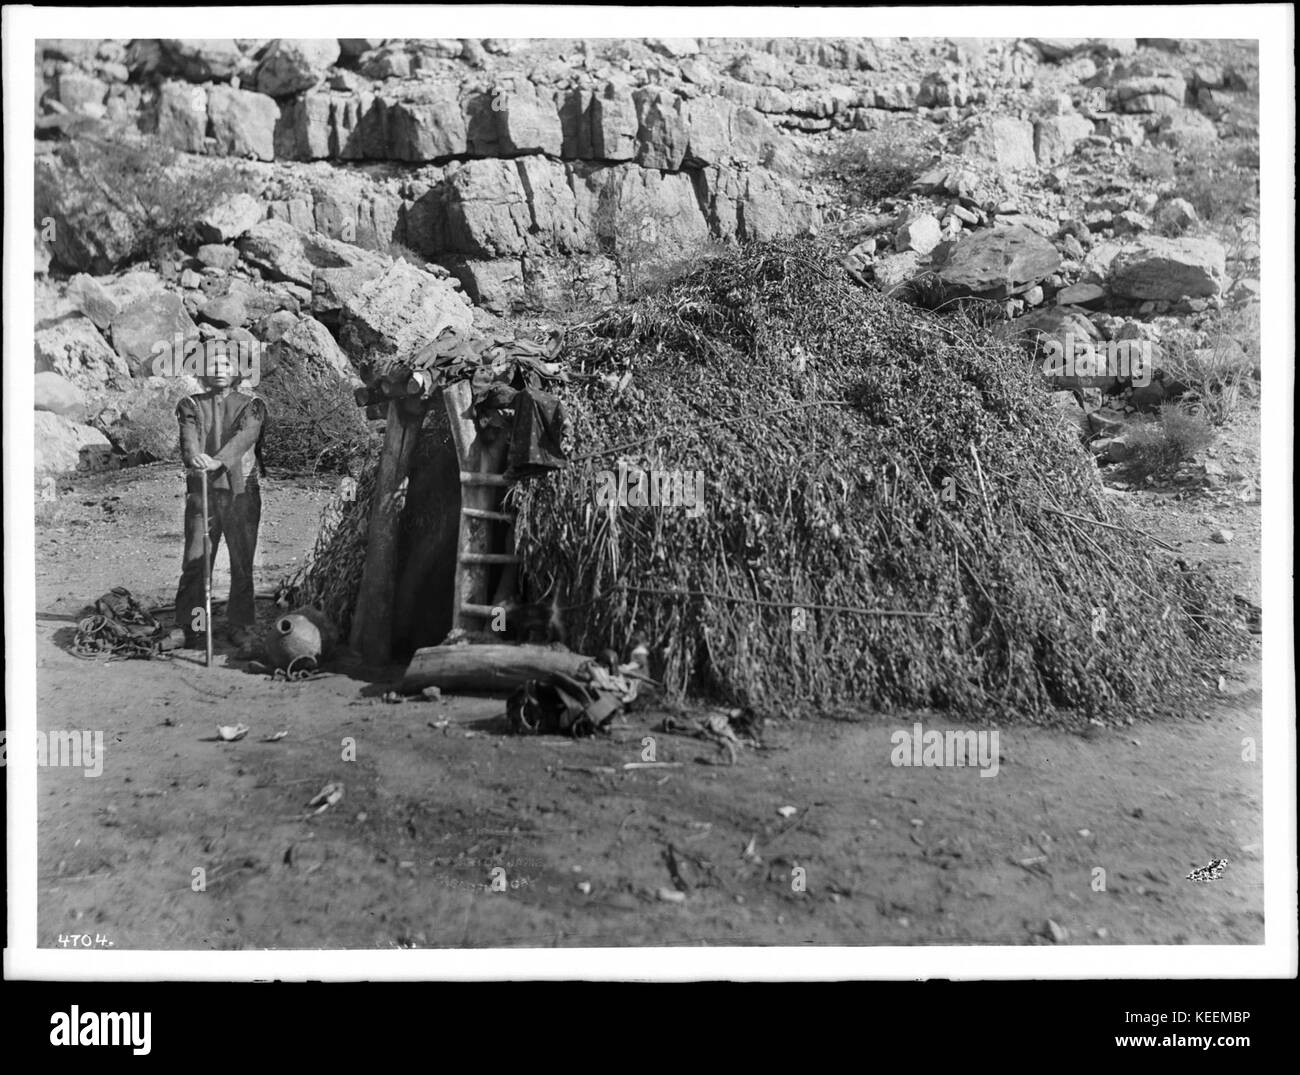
(217, 361)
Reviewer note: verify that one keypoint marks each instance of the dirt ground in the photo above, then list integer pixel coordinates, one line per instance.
(439, 796)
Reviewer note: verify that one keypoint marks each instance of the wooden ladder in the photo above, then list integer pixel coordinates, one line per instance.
(482, 487)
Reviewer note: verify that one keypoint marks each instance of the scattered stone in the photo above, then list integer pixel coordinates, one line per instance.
(1175, 216)
(89, 296)
(1080, 295)
(1130, 222)
(1222, 537)
(218, 256)
(920, 233)
(225, 222)
(893, 270)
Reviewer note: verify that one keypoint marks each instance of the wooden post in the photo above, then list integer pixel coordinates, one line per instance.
(372, 622)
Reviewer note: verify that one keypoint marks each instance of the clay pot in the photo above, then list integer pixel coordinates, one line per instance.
(305, 632)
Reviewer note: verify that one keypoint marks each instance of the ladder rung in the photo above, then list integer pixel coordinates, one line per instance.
(470, 478)
(483, 513)
(488, 558)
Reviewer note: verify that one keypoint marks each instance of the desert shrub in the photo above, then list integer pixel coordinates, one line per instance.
(160, 193)
(141, 422)
(880, 163)
(313, 420)
(1160, 444)
(646, 244)
(1152, 163)
(1220, 365)
(1221, 181)
(400, 251)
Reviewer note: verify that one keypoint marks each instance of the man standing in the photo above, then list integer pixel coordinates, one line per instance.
(221, 433)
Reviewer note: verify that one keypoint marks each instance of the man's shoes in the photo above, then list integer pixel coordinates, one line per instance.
(248, 641)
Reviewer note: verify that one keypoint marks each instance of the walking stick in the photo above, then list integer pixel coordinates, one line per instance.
(207, 574)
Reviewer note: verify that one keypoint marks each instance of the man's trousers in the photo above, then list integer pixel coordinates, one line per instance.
(236, 516)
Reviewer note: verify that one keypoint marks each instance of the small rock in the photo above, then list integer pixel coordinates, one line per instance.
(788, 811)
(1222, 537)
(922, 234)
(1059, 934)
(670, 895)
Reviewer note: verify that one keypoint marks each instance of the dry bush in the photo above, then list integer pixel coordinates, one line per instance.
(159, 191)
(1157, 446)
(1221, 181)
(313, 421)
(881, 163)
(141, 422)
(1221, 368)
(646, 245)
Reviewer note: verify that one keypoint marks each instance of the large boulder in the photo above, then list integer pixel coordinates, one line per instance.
(1157, 268)
(63, 445)
(662, 132)
(295, 64)
(79, 92)
(1184, 128)
(81, 232)
(308, 346)
(1142, 85)
(182, 116)
(528, 122)
(1005, 141)
(996, 263)
(497, 208)
(243, 123)
(72, 347)
(89, 296)
(282, 252)
(427, 123)
(614, 123)
(1056, 136)
(140, 328)
(50, 392)
(201, 59)
(398, 312)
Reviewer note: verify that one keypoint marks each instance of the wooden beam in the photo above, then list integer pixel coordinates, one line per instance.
(372, 621)
(487, 667)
